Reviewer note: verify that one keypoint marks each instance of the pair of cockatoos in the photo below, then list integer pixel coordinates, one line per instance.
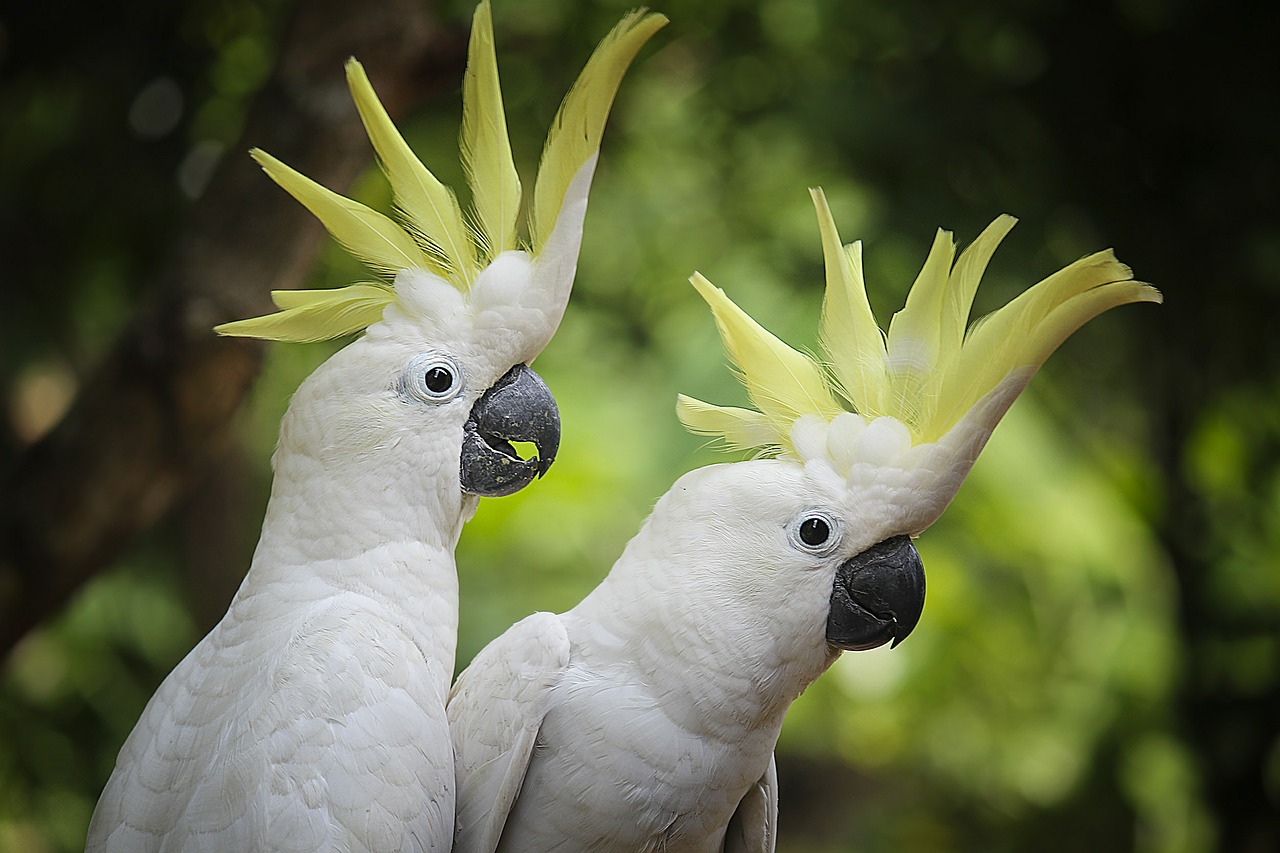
(313, 717)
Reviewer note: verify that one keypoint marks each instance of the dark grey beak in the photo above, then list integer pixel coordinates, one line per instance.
(878, 596)
(519, 407)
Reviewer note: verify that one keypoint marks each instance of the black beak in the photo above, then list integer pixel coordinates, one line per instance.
(878, 596)
(519, 407)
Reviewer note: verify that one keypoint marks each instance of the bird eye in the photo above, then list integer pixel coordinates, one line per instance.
(432, 378)
(438, 379)
(815, 532)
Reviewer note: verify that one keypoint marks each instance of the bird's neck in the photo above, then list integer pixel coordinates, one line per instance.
(721, 673)
(385, 536)
(338, 504)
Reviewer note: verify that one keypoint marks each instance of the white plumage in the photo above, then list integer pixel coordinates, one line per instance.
(310, 717)
(644, 719)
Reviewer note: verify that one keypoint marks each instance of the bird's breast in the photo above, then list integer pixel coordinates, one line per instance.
(614, 771)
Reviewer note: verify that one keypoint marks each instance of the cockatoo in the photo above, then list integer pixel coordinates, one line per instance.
(312, 717)
(645, 718)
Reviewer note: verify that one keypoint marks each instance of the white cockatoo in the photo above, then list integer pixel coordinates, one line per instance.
(312, 717)
(645, 718)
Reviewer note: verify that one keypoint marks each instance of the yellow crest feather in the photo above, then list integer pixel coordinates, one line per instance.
(429, 208)
(928, 372)
(486, 150)
(435, 235)
(579, 124)
(365, 233)
(1027, 330)
(742, 429)
(307, 316)
(783, 383)
(847, 324)
(913, 343)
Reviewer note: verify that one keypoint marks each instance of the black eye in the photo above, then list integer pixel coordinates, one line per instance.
(431, 378)
(438, 379)
(814, 531)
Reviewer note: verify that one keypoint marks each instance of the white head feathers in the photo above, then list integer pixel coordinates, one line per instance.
(912, 409)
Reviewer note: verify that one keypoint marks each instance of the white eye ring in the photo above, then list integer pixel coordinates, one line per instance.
(815, 532)
(432, 378)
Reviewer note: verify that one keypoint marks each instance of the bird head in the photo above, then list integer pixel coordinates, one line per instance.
(873, 441)
(464, 304)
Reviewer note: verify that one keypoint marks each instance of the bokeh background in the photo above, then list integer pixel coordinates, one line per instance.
(1098, 666)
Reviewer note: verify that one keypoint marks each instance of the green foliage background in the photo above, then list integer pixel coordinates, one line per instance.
(1098, 663)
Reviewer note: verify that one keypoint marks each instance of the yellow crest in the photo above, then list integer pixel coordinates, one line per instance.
(928, 371)
(433, 234)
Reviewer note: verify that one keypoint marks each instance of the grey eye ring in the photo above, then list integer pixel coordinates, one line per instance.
(432, 378)
(815, 532)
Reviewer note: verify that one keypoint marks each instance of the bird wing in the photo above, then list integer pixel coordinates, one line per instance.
(495, 711)
(327, 744)
(753, 827)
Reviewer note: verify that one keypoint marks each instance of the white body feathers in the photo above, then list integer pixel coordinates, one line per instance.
(311, 717)
(644, 719)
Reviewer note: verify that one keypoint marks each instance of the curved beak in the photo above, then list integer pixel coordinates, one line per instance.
(878, 596)
(519, 407)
